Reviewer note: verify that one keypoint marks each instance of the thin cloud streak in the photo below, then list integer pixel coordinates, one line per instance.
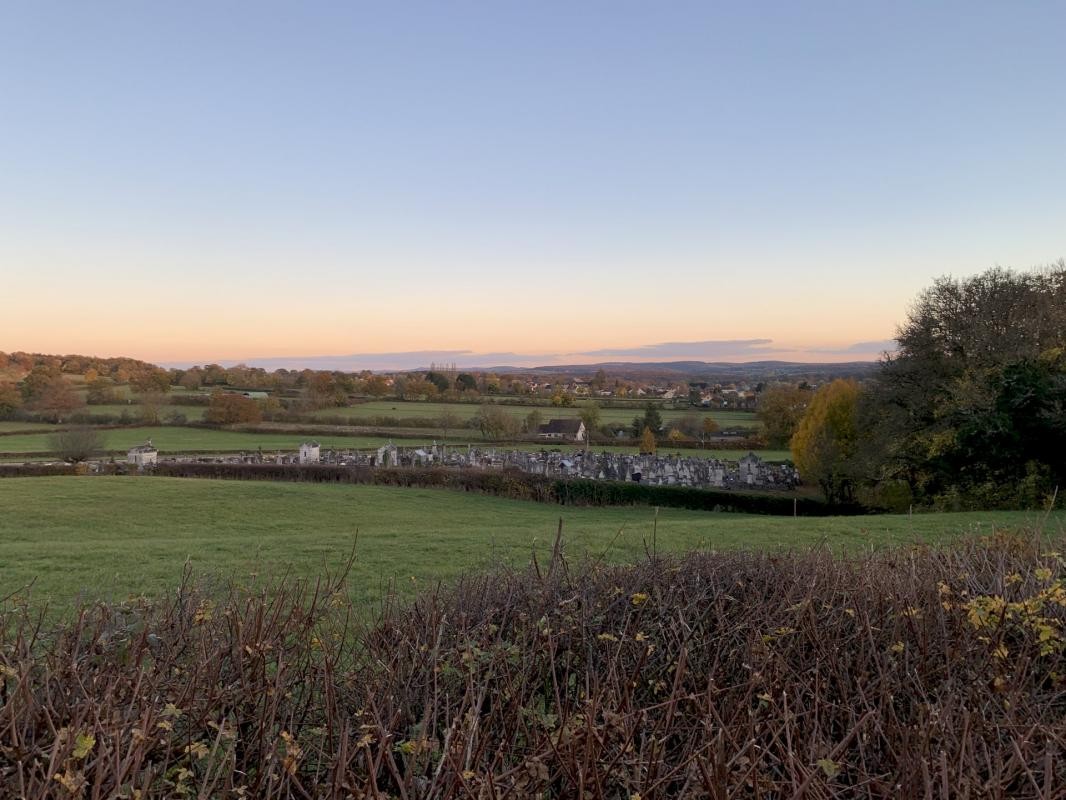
(711, 348)
(880, 346)
(735, 350)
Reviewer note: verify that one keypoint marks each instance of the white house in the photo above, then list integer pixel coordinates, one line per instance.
(142, 455)
(309, 453)
(570, 430)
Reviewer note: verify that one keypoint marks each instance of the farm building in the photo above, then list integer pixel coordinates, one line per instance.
(309, 453)
(570, 430)
(142, 455)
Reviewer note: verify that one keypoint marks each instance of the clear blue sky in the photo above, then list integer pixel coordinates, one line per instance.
(549, 179)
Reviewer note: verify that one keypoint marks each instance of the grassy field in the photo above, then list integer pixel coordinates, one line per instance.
(177, 439)
(109, 537)
(8, 427)
(133, 409)
(401, 409)
(171, 439)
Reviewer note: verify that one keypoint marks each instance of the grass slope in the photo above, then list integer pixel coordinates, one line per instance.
(107, 537)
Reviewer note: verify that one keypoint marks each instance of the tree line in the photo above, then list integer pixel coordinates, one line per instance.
(969, 412)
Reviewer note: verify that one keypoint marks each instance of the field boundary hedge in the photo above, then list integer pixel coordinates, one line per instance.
(518, 485)
(36, 470)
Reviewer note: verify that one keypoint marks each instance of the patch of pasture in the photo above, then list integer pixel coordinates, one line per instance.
(111, 537)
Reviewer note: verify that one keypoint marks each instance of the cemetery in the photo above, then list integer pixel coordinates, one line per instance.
(748, 472)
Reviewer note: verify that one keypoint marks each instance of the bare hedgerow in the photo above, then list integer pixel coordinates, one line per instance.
(910, 673)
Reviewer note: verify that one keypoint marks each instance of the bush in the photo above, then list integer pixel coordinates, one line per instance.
(36, 470)
(713, 675)
(76, 444)
(519, 485)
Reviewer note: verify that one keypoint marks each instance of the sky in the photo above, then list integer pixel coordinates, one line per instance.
(388, 184)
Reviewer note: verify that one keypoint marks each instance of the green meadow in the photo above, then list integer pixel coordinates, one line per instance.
(418, 410)
(179, 439)
(99, 537)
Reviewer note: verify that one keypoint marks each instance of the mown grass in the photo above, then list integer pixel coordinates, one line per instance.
(110, 537)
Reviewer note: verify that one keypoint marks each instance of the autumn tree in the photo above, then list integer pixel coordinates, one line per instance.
(415, 388)
(10, 398)
(100, 392)
(151, 406)
(448, 420)
(376, 386)
(152, 380)
(35, 382)
(324, 390)
(56, 399)
(76, 444)
(647, 442)
(590, 415)
(227, 408)
(708, 428)
(496, 423)
(824, 447)
(192, 379)
(780, 409)
(562, 399)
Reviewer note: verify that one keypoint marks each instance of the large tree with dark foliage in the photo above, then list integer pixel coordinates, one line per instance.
(974, 402)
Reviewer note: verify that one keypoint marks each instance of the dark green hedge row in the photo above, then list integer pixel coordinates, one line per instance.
(520, 486)
(613, 493)
(36, 470)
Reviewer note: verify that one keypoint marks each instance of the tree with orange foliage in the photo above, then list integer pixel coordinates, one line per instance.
(648, 445)
(10, 397)
(227, 408)
(57, 399)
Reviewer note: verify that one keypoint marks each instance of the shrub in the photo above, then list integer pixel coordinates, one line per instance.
(76, 444)
(714, 675)
(518, 485)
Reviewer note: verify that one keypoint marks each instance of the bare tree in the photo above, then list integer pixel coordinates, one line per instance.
(590, 415)
(447, 420)
(76, 444)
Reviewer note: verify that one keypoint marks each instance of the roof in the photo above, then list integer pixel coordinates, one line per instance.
(143, 448)
(309, 444)
(562, 426)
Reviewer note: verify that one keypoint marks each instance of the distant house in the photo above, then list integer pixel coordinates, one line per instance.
(255, 395)
(570, 430)
(309, 453)
(142, 455)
